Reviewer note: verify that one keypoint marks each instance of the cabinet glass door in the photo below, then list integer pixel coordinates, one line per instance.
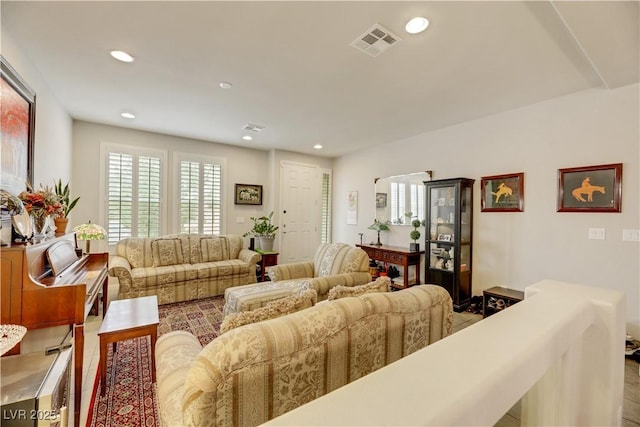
(443, 214)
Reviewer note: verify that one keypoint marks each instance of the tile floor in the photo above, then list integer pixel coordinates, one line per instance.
(631, 405)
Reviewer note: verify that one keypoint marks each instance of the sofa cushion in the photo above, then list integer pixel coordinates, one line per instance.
(151, 277)
(257, 295)
(136, 250)
(381, 284)
(280, 307)
(212, 249)
(167, 252)
(337, 258)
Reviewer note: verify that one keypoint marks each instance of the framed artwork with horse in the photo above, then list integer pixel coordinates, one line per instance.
(502, 193)
(590, 188)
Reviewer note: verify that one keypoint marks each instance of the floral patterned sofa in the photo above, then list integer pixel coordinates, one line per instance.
(334, 264)
(256, 372)
(182, 267)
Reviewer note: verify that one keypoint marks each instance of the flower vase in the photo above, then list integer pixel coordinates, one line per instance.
(39, 227)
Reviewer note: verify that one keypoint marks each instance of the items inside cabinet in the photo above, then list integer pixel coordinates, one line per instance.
(449, 212)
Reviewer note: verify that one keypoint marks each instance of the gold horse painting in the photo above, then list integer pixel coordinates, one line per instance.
(503, 190)
(586, 189)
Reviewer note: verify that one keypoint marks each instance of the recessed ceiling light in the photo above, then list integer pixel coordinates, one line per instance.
(122, 56)
(416, 25)
(247, 137)
(318, 146)
(128, 115)
(225, 85)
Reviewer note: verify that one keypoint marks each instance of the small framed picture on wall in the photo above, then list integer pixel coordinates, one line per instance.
(248, 194)
(502, 193)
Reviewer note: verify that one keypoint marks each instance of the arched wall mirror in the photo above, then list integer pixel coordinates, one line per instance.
(397, 196)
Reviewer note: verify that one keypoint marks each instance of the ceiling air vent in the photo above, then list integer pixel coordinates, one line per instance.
(375, 40)
(252, 128)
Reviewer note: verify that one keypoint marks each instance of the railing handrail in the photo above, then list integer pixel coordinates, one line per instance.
(554, 348)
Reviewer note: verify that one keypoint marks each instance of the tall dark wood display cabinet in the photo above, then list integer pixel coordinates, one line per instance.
(449, 237)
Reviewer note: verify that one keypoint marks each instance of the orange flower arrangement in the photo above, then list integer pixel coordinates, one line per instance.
(41, 203)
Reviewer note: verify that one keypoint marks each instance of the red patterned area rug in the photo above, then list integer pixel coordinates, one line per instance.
(130, 397)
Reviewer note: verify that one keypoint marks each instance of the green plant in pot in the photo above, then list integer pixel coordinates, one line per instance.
(415, 233)
(264, 231)
(64, 196)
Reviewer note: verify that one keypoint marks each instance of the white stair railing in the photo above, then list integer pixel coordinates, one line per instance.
(561, 350)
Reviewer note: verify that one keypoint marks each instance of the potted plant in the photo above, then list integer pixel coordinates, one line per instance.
(63, 194)
(264, 230)
(414, 234)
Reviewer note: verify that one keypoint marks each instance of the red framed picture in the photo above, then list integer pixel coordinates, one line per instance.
(502, 193)
(590, 189)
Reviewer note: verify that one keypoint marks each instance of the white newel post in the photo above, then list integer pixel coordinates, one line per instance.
(585, 386)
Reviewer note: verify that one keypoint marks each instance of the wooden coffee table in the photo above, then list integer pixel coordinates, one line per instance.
(126, 319)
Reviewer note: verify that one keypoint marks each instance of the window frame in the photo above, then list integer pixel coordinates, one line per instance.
(177, 159)
(105, 149)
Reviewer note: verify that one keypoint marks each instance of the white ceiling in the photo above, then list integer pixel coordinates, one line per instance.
(294, 72)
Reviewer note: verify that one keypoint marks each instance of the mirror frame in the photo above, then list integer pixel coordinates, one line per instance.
(382, 194)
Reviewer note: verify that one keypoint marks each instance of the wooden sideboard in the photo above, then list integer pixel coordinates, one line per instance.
(396, 255)
(33, 296)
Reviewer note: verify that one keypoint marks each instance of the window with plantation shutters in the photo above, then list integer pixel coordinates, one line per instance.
(134, 193)
(325, 215)
(417, 201)
(200, 195)
(398, 200)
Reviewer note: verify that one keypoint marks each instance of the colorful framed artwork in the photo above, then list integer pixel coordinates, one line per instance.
(502, 193)
(590, 188)
(17, 126)
(248, 194)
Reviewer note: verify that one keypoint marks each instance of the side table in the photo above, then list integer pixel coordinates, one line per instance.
(126, 319)
(268, 259)
(498, 298)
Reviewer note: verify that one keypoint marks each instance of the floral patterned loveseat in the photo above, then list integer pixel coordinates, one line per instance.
(256, 372)
(182, 267)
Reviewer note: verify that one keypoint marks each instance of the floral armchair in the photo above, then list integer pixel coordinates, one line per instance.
(334, 264)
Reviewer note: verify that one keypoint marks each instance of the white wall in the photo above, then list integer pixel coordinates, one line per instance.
(52, 156)
(52, 152)
(592, 127)
(243, 166)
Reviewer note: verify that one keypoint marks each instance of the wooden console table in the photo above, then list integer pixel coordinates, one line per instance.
(396, 255)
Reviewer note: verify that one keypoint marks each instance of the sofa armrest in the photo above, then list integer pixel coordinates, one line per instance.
(322, 285)
(175, 353)
(249, 256)
(119, 267)
(296, 270)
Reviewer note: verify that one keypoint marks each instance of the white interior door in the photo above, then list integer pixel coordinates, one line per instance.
(300, 194)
